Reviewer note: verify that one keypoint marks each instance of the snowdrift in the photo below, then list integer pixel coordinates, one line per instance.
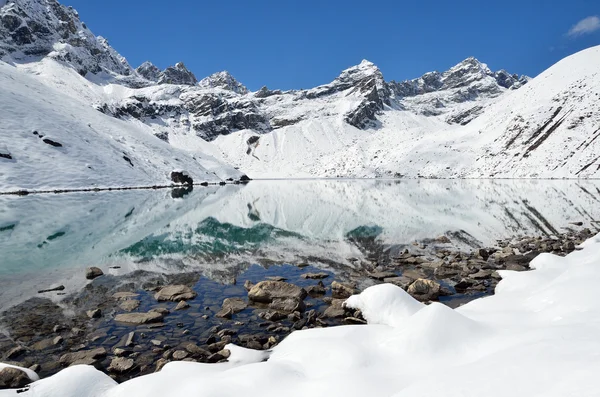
(536, 337)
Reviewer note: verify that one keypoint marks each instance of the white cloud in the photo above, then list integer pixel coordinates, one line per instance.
(585, 26)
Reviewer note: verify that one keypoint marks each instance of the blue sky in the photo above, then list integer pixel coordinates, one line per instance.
(300, 44)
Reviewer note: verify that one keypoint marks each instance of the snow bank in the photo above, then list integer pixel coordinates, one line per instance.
(538, 336)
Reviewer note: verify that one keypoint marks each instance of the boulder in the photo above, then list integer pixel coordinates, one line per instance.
(175, 293)
(12, 378)
(335, 310)
(182, 305)
(424, 290)
(342, 291)
(93, 272)
(231, 306)
(266, 291)
(181, 177)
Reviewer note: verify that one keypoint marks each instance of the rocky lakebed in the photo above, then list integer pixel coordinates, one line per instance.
(133, 324)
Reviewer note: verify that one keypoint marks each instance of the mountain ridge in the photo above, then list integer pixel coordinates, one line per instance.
(440, 124)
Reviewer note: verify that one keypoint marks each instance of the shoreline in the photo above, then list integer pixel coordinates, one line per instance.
(121, 326)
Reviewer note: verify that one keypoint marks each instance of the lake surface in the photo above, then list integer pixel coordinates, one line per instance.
(223, 231)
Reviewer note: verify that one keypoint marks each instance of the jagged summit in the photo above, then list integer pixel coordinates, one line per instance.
(177, 74)
(39, 28)
(149, 71)
(463, 74)
(225, 81)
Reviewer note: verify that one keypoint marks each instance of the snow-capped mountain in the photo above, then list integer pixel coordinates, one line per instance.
(468, 121)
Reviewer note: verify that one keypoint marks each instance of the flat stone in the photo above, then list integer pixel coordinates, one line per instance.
(139, 318)
(125, 295)
(129, 305)
(175, 293)
(93, 272)
(382, 275)
(402, 282)
(121, 365)
(276, 278)
(413, 274)
(318, 289)
(266, 291)
(287, 305)
(83, 357)
(315, 276)
(43, 344)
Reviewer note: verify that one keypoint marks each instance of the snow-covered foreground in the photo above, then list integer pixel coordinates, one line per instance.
(538, 336)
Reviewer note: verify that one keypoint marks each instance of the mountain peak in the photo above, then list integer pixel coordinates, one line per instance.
(225, 81)
(177, 74)
(46, 28)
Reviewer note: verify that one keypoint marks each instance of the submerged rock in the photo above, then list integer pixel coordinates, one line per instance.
(139, 318)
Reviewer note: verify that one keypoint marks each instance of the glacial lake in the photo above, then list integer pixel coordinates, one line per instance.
(223, 231)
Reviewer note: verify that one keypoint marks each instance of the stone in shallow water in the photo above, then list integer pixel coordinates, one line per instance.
(125, 295)
(129, 305)
(315, 276)
(182, 305)
(175, 293)
(266, 291)
(287, 305)
(139, 318)
(231, 306)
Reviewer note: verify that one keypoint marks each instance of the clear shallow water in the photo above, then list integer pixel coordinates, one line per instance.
(222, 231)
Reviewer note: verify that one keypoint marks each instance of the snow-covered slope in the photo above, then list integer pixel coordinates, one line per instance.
(537, 336)
(50, 140)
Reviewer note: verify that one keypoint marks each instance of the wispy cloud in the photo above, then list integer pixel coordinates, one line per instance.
(585, 26)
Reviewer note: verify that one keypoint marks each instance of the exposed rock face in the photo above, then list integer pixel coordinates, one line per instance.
(148, 71)
(225, 81)
(47, 28)
(177, 74)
